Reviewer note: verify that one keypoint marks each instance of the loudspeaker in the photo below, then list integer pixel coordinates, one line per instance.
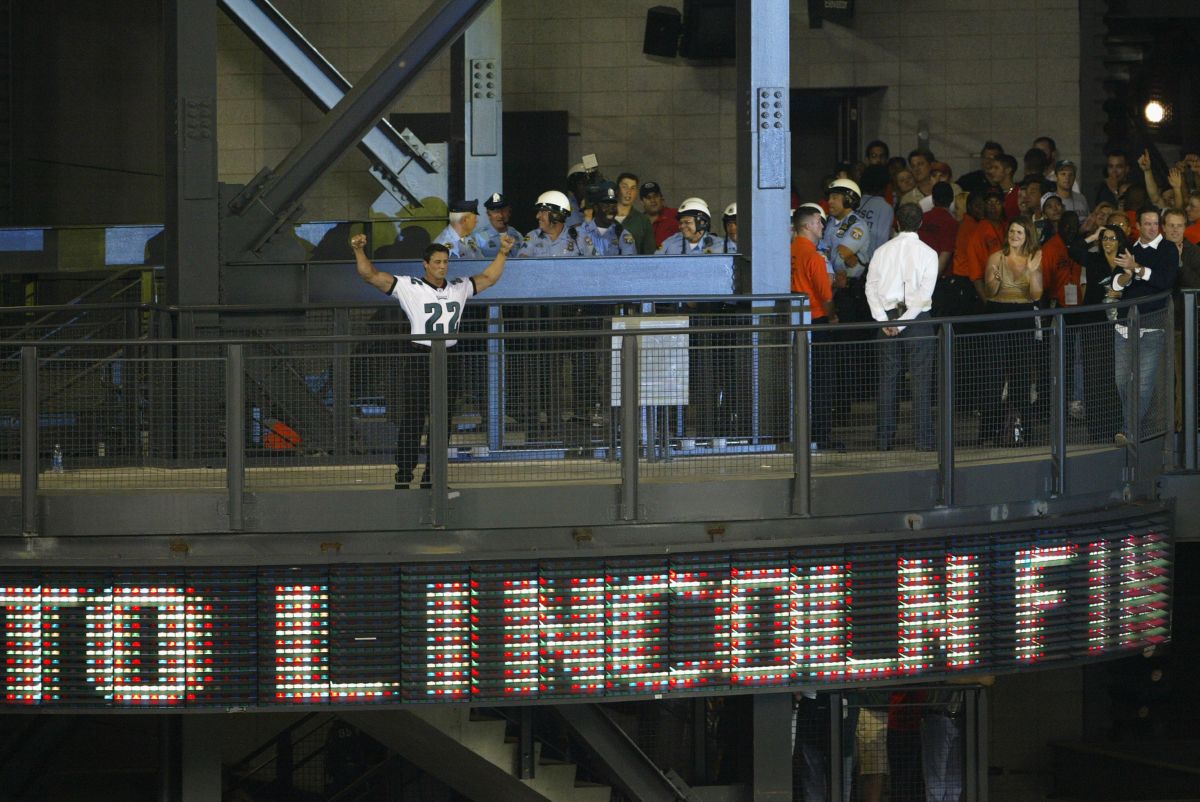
(663, 27)
(709, 29)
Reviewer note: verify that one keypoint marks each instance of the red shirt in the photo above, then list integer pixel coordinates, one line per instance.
(958, 266)
(1192, 233)
(810, 275)
(1059, 270)
(939, 230)
(985, 240)
(666, 224)
(1012, 207)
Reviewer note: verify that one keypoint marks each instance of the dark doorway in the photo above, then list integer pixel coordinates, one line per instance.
(825, 130)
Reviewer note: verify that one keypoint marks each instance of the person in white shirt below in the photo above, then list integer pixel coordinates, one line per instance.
(432, 305)
(900, 288)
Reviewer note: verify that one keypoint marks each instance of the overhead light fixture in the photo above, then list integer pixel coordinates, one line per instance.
(1155, 112)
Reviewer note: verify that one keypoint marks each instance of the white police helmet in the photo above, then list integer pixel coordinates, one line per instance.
(696, 207)
(730, 213)
(846, 187)
(554, 202)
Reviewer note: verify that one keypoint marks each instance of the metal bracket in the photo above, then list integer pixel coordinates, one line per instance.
(770, 121)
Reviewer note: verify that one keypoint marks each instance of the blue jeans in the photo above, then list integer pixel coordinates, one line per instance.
(1149, 357)
(942, 757)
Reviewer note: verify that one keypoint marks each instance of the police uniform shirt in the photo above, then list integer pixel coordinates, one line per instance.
(612, 241)
(538, 243)
(575, 218)
(430, 309)
(852, 232)
(488, 239)
(460, 247)
(879, 215)
(730, 245)
(676, 244)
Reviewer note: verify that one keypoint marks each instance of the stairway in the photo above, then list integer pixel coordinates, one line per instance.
(474, 756)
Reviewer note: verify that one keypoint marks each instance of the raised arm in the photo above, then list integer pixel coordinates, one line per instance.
(366, 269)
(492, 273)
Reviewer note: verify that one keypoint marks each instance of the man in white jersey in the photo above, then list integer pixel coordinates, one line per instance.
(432, 305)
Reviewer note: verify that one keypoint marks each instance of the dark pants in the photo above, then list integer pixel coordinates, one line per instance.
(1010, 357)
(408, 407)
(920, 346)
(821, 384)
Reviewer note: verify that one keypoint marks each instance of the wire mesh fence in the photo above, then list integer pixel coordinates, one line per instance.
(534, 396)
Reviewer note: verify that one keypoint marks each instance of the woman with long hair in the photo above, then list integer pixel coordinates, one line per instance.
(1012, 282)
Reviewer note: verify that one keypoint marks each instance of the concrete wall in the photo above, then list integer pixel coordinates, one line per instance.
(972, 72)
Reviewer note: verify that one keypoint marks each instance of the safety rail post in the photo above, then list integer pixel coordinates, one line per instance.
(630, 426)
(945, 424)
(235, 434)
(30, 523)
(1133, 416)
(801, 425)
(495, 382)
(526, 765)
(1170, 454)
(1058, 413)
(837, 780)
(439, 434)
(340, 374)
(1189, 380)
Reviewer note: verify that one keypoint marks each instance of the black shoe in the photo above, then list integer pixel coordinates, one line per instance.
(402, 480)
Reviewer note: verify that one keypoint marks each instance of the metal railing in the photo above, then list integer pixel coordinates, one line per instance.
(699, 390)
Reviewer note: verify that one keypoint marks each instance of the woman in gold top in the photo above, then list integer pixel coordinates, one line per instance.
(1012, 282)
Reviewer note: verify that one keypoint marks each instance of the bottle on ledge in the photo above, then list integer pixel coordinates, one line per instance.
(56, 459)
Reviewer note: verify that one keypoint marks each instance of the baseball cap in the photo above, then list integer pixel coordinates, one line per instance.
(1062, 164)
(465, 206)
(941, 167)
(604, 192)
(496, 201)
(1047, 197)
(649, 188)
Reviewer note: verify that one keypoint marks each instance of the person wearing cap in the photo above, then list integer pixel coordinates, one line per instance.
(693, 237)
(628, 215)
(810, 275)
(433, 304)
(457, 236)
(552, 237)
(847, 240)
(579, 178)
(603, 235)
(729, 223)
(1051, 214)
(940, 173)
(1064, 186)
(663, 219)
(487, 234)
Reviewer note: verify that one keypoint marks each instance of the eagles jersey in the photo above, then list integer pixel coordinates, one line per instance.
(460, 247)
(430, 309)
(613, 241)
(852, 232)
(538, 243)
(676, 244)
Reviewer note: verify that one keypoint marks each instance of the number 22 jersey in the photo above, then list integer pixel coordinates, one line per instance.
(430, 309)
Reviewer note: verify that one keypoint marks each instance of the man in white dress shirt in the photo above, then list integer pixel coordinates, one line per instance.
(899, 287)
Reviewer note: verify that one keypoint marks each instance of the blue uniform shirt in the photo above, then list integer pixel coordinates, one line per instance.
(852, 232)
(613, 241)
(575, 218)
(488, 238)
(460, 247)
(730, 245)
(676, 244)
(879, 215)
(538, 243)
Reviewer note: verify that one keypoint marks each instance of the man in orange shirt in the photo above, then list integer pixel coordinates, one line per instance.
(1192, 232)
(1061, 286)
(810, 275)
(987, 237)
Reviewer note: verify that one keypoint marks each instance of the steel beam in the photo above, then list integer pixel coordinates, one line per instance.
(773, 747)
(273, 199)
(391, 152)
(629, 768)
(483, 146)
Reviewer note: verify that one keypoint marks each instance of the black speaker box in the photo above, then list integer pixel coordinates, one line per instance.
(663, 27)
(709, 29)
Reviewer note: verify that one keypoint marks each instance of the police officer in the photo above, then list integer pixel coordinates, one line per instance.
(847, 239)
(729, 223)
(603, 235)
(498, 211)
(458, 235)
(693, 236)
(552, 237)
(579, 178)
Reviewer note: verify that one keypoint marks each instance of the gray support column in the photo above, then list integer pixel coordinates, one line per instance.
(945, 419)
(1058, 410)
(170, 754)
(483, 151)
(201, 770)
(235, 434)
(801, 427)
(1189, 380)
(772, 747)
(190, 185)
(764, 144)
(439, 433)
(630, 426)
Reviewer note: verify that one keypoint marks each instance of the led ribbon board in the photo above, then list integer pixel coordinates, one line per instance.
(711, 622)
